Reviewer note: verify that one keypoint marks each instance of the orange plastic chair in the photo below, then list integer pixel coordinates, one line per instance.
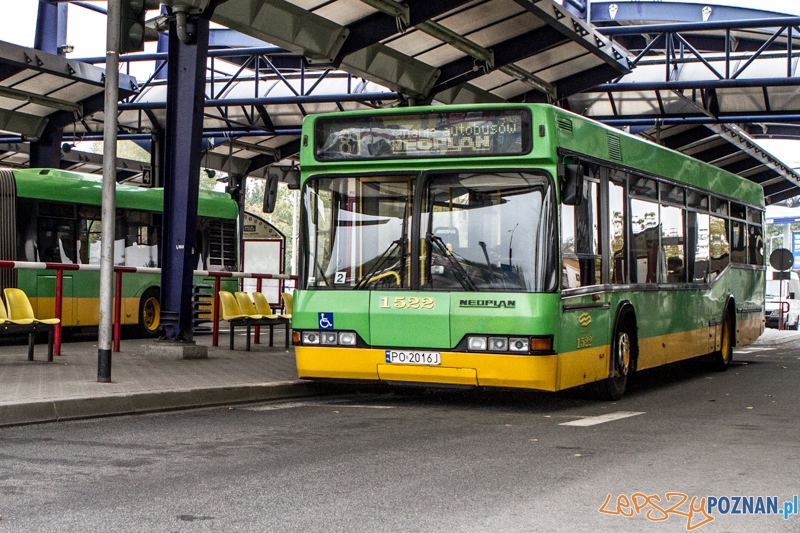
(20, 310)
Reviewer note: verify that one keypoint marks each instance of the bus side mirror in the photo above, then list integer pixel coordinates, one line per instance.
(571, 177)
(270, 192)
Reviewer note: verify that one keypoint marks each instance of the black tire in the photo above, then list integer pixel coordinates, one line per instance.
(721, 360)
(623, 349)
(150, 313)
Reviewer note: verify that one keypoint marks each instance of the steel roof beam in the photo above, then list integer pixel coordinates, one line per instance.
(379, 26)
(506, 52)
(572, 84)
(700, 26)
(275, 100)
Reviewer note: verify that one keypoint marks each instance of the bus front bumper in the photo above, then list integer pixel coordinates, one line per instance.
(456, 368)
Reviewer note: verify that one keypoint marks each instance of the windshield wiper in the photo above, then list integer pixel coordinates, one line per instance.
(460, 274)
(382, 259)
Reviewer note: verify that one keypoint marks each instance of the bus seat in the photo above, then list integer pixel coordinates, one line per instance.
(448, 236)
(229, 308)
(3, 314)
(287, 305)
(20, 310)
(262, 305)
(64, 257)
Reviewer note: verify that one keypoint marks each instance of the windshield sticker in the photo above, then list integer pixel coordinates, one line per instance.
(340, 278)
(325, 320)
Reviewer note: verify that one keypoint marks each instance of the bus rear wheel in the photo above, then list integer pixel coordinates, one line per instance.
(150, 313)
(721, 360)
(622, 349)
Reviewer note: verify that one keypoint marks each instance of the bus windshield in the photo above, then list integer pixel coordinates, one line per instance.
(488, 231)
(478, 231)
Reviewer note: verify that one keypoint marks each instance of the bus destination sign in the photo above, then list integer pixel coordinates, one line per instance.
(490, 132)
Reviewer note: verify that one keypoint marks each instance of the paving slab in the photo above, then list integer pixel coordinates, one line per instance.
(67, 389)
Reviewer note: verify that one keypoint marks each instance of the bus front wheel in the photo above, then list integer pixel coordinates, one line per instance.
(623, 348)
(722, 359)
(150, 313)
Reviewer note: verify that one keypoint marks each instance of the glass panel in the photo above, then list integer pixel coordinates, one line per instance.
(616, 204)
(56, 240)
(580, 240)
(754, 215)
(755, 242)
(644, 187)
(357, 230)
(738, 242)
(718, 247)
(697, 200)
(737, 210)
(673, 195)
(697, 246)
(644, 248)
(672, 246)
(489, 231)
(719, 206)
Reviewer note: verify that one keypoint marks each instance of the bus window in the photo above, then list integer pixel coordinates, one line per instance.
(56, 241)
(697, 247)
(697, 200)
(644, 245)
(580, 240)
(672, 246)
(755, 244)
(616, 221)
(738, 242)
(719, 248)
(719, 206)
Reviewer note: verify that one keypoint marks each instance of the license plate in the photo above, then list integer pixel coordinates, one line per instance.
(411, 357)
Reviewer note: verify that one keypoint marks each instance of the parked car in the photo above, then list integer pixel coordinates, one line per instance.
(782, 295)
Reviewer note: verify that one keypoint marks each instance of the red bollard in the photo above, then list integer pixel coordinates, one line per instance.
(57, 328)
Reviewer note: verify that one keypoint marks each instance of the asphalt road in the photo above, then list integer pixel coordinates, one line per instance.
(421, 461)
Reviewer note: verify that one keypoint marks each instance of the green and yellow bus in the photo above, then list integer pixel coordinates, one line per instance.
(53, 216)
(516, 246)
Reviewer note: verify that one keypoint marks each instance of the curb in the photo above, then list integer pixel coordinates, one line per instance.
(156, 401)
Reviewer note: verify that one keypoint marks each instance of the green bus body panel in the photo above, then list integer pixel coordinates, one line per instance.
(531, 314)
(584, 136)
(347, 308)
(409, 327)
(65, 186)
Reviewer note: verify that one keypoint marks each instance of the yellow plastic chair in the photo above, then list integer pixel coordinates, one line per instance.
(263, 307)
(20, 310)
(287, 305)
(230, 311)
(247, 307)
(27, 325)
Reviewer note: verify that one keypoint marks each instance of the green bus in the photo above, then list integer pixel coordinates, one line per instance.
(53, 216)
(516, 246)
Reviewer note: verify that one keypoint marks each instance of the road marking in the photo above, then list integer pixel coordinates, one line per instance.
(593, 420)
(294, 405)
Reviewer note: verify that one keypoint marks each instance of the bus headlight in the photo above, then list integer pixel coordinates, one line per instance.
(518, 344)
(498, 344)
(476, 343)
(347, 338)
(328, 338)
(310, 337)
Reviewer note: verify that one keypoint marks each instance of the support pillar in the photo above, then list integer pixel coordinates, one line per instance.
(51, 35)
(185, 100)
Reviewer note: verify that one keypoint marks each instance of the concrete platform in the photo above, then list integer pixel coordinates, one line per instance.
(67, 389)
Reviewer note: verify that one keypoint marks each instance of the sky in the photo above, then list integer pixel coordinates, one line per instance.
(86, 31)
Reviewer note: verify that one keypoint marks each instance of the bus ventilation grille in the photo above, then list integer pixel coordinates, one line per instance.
(614, 148)
(8, 225)
(222, 245)
(564, 124)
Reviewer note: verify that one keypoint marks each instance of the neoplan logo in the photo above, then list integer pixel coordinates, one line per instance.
(492, 304)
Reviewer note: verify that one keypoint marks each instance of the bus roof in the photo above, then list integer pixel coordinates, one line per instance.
(562, 129)
(66, 186)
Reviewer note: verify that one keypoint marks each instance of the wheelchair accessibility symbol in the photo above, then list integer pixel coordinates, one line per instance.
(325, 320)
